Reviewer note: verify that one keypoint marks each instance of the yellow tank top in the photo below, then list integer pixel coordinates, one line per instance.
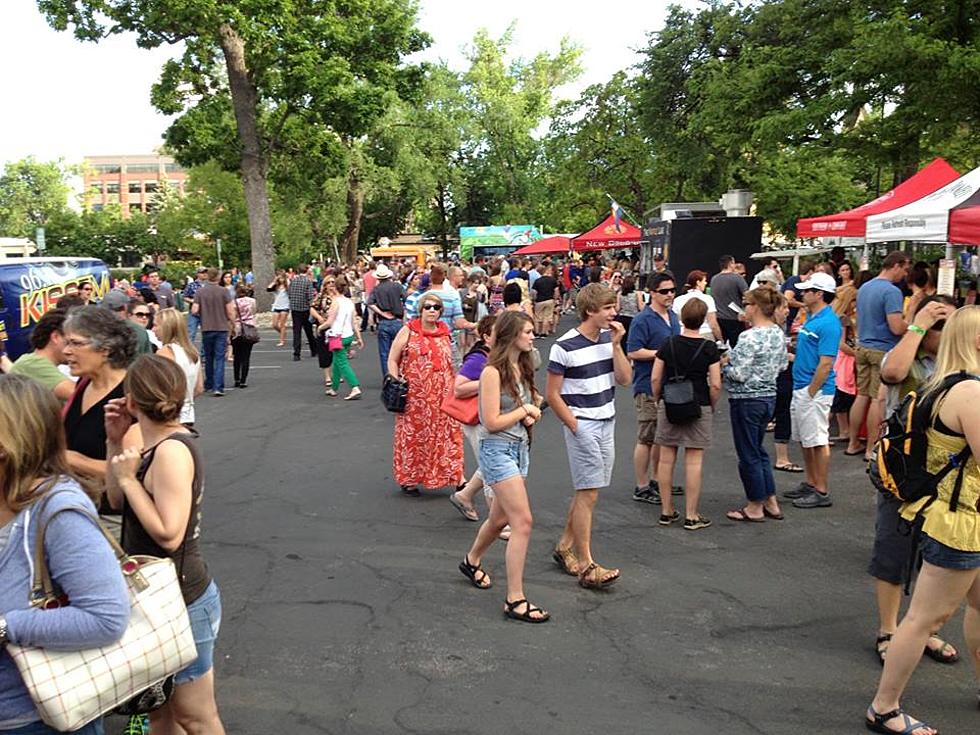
(959, 530)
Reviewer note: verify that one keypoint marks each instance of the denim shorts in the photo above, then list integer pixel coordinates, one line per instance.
(501, 459)
(940, 555)
(205, 615)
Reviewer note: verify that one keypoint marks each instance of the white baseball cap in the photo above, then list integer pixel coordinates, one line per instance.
(820, 281)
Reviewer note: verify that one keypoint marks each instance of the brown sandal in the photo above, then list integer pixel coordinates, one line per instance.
(566, 560)
(594, 577)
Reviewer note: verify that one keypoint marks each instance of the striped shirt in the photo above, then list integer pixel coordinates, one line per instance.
(589, 385)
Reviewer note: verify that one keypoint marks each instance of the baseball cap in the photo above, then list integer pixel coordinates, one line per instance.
(382, 272)
(115, 300)
(820, 281)
(202, 269)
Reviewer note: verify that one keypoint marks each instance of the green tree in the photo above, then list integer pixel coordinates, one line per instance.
(330, 63)
(32, 193)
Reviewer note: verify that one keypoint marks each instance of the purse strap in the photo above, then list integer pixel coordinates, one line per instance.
(677, 378)
(240, 320)
(42, 586)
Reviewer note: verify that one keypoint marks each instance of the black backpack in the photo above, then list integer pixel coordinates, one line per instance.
(898, 464)
(680, 403)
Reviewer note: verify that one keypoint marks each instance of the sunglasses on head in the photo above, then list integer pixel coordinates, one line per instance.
(665, 291)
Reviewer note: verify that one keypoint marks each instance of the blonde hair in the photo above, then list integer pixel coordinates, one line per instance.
(32, 441)
(592, 299)
(957, 347)
(157, 386)
(173, 328)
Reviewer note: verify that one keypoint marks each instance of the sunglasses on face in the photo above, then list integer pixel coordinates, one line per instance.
(141, 314)
(665, 291)
(431, 307)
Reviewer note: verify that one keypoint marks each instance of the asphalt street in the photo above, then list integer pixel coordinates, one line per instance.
(344, 611)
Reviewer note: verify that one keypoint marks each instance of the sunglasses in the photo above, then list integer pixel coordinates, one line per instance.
(141, 314)
(432, 307)
(665, 291)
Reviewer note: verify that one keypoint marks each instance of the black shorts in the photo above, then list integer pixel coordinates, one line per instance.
(893, 556)
(323, 355)
(842, 402)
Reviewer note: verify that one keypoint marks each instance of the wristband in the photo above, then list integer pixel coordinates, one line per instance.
(916, 329)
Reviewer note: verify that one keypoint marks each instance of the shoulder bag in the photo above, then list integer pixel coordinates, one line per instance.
(680, 403)
(72, 688)
(394, 394)
(249, 333)
(464, 410)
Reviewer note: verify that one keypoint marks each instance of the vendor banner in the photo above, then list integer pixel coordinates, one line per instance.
(926, 219)
(495, 239)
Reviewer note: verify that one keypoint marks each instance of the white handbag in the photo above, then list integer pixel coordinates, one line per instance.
(72, 688)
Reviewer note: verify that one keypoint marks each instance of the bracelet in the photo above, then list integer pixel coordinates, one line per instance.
(916, 329)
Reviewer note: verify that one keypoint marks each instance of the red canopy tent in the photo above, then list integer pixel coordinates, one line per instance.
(555, 244)
(964, 222)
(607, 235)
(852, 223)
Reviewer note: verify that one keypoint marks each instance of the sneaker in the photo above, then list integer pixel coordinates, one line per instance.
(800, 491)
(814, 500)
(218, 393)
(666, 520)
(696, 524)
(647, 495)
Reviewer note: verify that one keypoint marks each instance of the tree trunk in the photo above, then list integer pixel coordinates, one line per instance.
(244, 99)
(355, 214)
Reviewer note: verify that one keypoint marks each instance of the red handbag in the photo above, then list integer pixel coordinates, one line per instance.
(464, 410)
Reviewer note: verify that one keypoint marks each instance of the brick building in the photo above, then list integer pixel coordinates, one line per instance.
(132, 182)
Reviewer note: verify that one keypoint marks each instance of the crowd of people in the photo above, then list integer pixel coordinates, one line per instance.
(112, 387)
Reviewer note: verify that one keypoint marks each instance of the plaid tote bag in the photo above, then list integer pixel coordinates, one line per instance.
(72, 688)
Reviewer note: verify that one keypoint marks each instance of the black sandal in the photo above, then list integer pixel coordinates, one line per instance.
(877, 723)
(510, 610)
(879, 649)
(471, 571)
(936, 654)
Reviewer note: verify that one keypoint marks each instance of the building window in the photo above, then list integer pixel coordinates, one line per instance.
(107, 168)
(112, 187)
(96, 187)
(152, 206)
(171, 168)
(134, 187)
(151, 187)
(142, 168)
(174, 184)
(135, 207)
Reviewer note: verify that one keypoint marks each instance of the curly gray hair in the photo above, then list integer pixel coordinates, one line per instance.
(108, 333)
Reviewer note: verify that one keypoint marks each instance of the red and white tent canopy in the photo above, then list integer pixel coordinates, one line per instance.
(607, 235)
(853, 223)
(927, 219)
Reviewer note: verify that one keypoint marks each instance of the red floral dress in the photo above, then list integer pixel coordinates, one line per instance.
(428, 443)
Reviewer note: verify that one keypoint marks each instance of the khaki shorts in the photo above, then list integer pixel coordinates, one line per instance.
(868, 364)
(694, 435)
(544, 311)
(646, 418)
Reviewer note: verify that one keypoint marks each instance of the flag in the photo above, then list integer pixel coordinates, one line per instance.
(617, 213)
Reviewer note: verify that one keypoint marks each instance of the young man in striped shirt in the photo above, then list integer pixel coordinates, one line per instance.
(585, 365)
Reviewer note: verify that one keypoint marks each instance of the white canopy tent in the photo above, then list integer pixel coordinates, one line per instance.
(926, 219)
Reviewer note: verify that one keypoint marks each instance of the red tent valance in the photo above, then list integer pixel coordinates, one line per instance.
(964, 222)
(852, 223)
(608, 235)
(555, 244)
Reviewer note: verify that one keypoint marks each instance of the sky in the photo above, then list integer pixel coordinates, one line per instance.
(61, 98)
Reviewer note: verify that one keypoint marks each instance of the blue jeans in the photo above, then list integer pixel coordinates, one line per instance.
(749, 419)
(205, 617)
(387, 329)
(215, 344)
(39, 728)
(193, 324)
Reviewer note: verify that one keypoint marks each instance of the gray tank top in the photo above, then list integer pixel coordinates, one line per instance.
(515, 433)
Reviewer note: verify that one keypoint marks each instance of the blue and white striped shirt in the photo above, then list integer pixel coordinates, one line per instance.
(589, 385)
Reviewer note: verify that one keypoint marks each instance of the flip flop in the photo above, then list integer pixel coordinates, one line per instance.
(849, 453)
(469, 514)
(791, 467)
(742, 517)
(773, 516)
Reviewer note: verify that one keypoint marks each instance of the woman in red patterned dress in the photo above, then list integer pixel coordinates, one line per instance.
(428, 446)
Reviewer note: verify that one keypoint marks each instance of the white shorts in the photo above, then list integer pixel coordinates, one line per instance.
(811, 418)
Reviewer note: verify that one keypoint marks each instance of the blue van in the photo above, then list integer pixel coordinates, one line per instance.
(29, 287)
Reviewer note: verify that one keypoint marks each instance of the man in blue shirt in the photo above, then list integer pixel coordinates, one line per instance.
(193, 320)
(813, 388)
(650, 328)
(880, 327)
